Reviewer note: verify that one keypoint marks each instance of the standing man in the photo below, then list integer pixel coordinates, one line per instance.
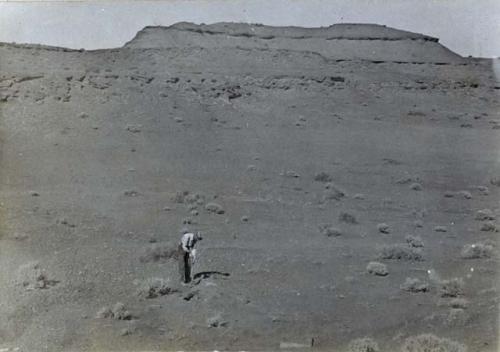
(187, 254)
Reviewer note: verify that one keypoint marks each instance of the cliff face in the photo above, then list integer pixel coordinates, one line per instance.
(301, 154)
(337, 42)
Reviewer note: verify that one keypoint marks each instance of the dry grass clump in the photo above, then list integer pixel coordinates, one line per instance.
(155, 287)
(431, 343)
(377, 268)
(329, 231)
(477, 251)
(348, 218)
(451, 288)
(414, 285)
(484, 214)
(414, 241)
(401, 252)
(118, 312)
(365, 344)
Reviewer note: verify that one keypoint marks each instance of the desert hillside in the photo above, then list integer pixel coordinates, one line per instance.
(346, 180)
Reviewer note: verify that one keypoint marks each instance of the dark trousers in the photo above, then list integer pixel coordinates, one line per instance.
(184, 265)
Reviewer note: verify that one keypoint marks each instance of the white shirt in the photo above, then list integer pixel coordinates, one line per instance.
(188, 241)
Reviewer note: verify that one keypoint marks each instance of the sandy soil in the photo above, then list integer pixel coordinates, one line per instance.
(341, 196)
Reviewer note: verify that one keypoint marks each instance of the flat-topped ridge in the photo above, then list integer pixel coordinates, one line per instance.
(341, 31)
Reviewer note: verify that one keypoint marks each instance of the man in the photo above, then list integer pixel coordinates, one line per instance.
(187, 254)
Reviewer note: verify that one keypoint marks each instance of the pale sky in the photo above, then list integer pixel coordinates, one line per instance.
(468, 27)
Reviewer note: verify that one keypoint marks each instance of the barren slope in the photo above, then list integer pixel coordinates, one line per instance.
(308, 144)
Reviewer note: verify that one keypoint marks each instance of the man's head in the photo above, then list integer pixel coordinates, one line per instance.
(198, 236)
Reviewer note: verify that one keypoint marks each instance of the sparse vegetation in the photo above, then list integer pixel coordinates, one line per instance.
(348, 218)
(431, 343)
(451, 288)
(155, 287)
(377, 268)
(330, 231)
(401, 252)
(477, 251)
(414, 241)
(365, 344)
(484, 214)
(414, 285)
(323, 177)
(383, 228)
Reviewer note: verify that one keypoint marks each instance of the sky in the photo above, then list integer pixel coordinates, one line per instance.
(468, 27)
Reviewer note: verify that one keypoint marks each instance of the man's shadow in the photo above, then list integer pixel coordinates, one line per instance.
(208, 274)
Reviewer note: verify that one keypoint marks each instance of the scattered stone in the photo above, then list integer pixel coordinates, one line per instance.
(329, 231)
(178, 119)
(414, 241)
(484, 214)
(407, 179)
(389, 161)
(332, 193)
(290, 174)
(244, 218)
(440, 228)
(489, 226)
(359, 196)
(449, 194)
(451, 288)
(416, 186)
(323, 177)
(477, 251)
(216, 321)
(465, 194)
(365, 344)
(376, 268)
(34, 194)
(431, 343)
(383, 228)
(131, 193)
(251, 168)
(31, 276)
(134, 128)
(83, 115)
(289, 345)
(418, 223)
(414, 285)
(348, 218)
(194, 212)
(214, 208)
(401, 252)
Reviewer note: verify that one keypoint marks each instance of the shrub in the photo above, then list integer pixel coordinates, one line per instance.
(377, 268)
(365, 344)
(431, 343)
(401, 252)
